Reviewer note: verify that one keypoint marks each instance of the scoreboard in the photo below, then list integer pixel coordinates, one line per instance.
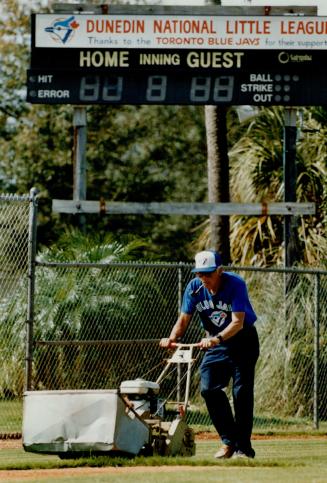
(119, 59)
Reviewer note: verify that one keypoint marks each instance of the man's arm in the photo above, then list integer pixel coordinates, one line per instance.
(178, 330)
(235, 326)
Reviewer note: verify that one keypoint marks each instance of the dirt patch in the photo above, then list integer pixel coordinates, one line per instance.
(25, 475)
(205, 436)
(10, 443)
(208, 436)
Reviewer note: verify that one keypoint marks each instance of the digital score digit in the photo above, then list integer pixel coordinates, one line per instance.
(206, 90)
(200, 90)
(175, 88)
(91, 89)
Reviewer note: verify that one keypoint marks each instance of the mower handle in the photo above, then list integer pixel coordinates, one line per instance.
(174, 345)
(181, 356)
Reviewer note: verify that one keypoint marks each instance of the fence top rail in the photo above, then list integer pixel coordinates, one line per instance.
(128, 264)
(95, 342)
(13, 197)
(308, 271)
(135, 264)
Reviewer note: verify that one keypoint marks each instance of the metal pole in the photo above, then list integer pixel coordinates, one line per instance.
(316, 354)
(31, 288)
(289, 174)
(180, 287)
(289, 170)
(79, 122)
(179, 368)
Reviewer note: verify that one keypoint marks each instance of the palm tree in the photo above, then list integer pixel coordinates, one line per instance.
(257, 175)
(218, 174)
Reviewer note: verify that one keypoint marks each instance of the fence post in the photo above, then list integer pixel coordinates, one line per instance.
(180, 286)
(179, 301)
(30, 288)
(316, 353)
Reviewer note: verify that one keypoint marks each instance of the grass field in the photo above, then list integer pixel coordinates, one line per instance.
(11, 416)
(283, 460)
(285, 457)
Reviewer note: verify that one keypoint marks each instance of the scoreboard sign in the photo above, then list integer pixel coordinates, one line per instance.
(178, 59)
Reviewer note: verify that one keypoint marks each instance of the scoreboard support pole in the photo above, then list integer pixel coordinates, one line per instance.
(291, 240)
(79, 155)
(289, 173)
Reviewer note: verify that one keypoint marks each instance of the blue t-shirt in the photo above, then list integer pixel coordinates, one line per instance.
(215, 311)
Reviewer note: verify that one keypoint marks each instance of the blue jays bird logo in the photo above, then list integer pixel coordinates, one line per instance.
(62, 30)
(218, 318)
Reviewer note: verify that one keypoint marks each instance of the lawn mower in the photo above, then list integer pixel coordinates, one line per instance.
(128, 421)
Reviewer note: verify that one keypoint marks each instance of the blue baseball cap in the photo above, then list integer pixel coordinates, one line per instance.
(207, 261)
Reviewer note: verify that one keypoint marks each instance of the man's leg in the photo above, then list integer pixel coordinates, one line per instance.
(243, 391)
(243, 398)
(214, 378)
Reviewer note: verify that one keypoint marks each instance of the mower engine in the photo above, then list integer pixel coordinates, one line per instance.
(168, 438)
(142, 396)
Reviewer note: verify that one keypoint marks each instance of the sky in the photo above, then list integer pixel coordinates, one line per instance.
(322, 4)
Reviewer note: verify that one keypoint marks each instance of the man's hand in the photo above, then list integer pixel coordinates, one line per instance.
(166, 343)
(208, 342)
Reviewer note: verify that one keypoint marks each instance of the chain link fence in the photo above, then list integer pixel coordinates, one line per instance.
(98, 325)
(92, 326)
(14, 243)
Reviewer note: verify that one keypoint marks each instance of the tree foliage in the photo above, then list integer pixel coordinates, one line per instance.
(134, 153)
(153, 153)
(257, 175)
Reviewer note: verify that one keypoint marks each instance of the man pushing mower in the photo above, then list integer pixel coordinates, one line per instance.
(232, 349)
